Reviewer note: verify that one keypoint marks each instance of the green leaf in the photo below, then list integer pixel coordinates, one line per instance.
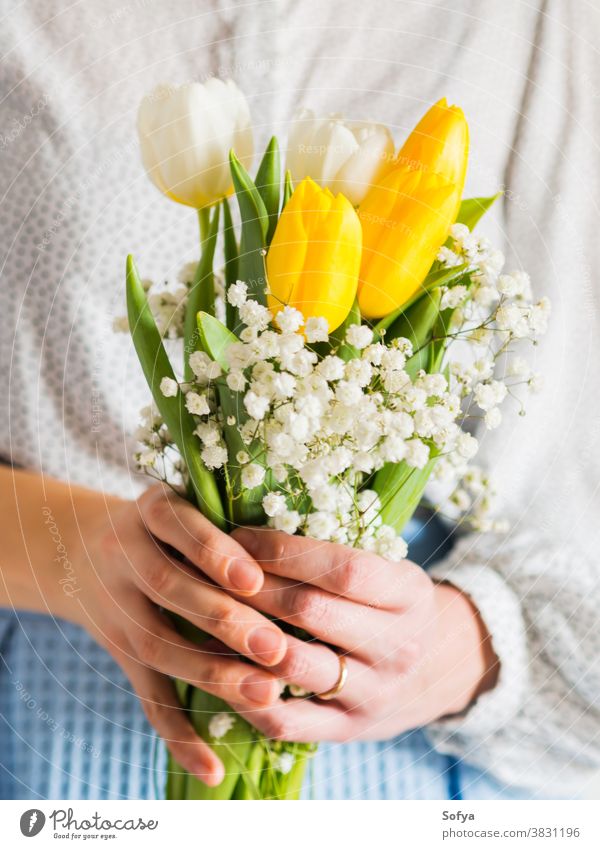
(233, 748)
(288, 188)
(255, 223)
(268, 183)
(215, 338)
(472, 209)
(156, 365)
(202, 292)
(230, 250)
(416, 323)
(439, 277)
(400, 489)
(246, 506)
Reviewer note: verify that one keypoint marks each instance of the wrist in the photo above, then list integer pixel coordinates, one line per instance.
(468, 665)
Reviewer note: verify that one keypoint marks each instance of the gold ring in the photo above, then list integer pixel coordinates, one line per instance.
(339, 684)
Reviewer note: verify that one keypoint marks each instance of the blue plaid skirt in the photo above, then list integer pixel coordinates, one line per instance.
(71, 728)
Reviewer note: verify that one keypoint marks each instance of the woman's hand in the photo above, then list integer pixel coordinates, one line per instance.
(414, 651)
(125, 570)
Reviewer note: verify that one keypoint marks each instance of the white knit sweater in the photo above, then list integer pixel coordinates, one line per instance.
(75, 200)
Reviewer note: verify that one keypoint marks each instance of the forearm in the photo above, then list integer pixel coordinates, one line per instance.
(44, 525)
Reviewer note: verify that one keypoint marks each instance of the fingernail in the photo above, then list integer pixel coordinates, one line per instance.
(266, 644)
(244, 575)
(258, 688)
(211, 774)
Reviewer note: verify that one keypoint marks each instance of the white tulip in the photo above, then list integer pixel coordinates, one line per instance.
(186, 134)
(345, 157)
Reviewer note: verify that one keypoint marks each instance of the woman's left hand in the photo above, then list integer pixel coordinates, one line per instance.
(414, 650)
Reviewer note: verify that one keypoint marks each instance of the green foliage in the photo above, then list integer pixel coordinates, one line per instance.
(268, 183)
(156, 365)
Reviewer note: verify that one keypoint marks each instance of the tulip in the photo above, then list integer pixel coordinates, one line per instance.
(314, 257)
(186, 134)
(405, 219)
(344, 157)
(440, 144)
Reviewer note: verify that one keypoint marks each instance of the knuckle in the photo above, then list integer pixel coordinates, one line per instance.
(352, 574)
(209, 547)
(276, 727)
(276, 551)
(223, 615)
(158, 575)
(294, 665)
(153, 710)
(308, 606)
(157, 511)
(147, 648)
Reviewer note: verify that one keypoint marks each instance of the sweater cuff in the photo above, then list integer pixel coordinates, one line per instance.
(501, 613)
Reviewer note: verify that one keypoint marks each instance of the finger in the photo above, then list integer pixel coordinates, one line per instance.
(302, 721)
(179, 524)
(317, 669)
(343, 571)
(178, 588)
(355, 628)
(158, 645)
(161, 706)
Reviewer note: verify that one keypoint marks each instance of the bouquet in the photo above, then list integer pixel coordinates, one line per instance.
(335, 361)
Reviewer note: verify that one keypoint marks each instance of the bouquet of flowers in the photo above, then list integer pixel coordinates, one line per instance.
(336, 359)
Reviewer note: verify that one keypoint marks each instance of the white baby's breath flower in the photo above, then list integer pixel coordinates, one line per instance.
(331, 367)
(493, 418)
(321, 525)
(146, 459)
(490, 394)
(203, 367)
(236, 380)
(288, 522)
(169, 387)
(274, 504)
(237, 294)
(467, 446)
(289, 320)
(196, 404)
(359, 336)
(255, 315)
(242, 457)
(453, 296)
(417, 453)
(214, 456)
(316, 329)
(252, 475)
(257, 405)
(283, 762)
(220, 724)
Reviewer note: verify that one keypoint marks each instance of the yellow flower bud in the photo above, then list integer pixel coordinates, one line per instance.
(405, 219)
(315, 254)
(439, 144)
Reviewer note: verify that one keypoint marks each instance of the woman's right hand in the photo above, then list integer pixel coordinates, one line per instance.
(126, 573)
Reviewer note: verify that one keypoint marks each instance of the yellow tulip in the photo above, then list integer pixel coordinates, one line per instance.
(314, 257)
(405, 219)
(439, 144)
